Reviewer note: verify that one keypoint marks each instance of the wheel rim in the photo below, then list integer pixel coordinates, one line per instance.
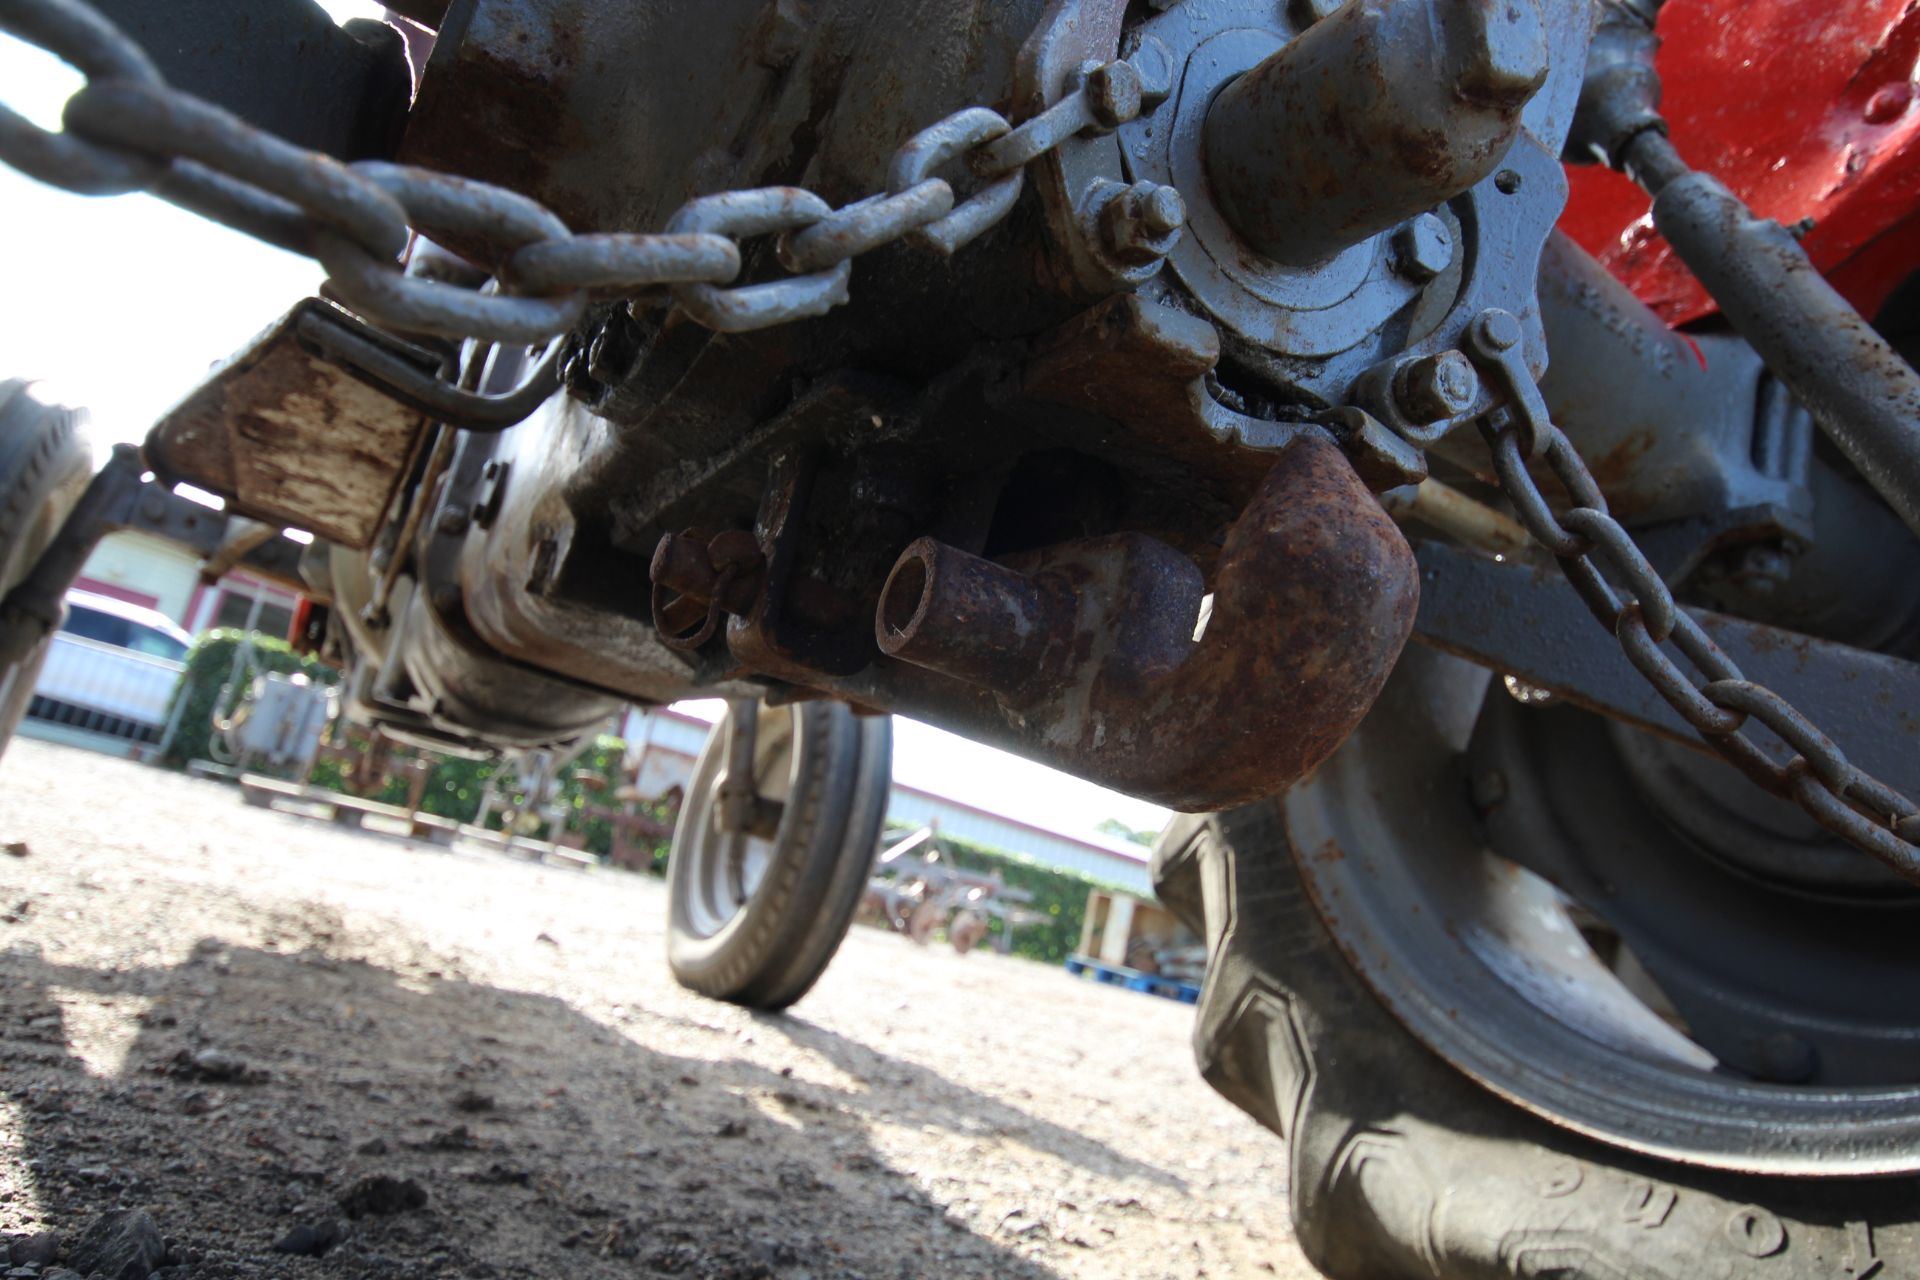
(1484, 962)
(717, 873)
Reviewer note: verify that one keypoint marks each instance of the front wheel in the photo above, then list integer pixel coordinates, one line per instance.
(766, 870)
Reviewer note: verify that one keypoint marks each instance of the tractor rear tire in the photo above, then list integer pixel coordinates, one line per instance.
(44, 468)
(1402, 1166)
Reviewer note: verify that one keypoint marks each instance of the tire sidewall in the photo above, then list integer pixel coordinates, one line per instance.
(805, 848)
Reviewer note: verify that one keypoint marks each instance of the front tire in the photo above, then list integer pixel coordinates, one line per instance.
(759, 926)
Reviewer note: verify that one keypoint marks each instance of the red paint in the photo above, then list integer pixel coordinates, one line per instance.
(1804, 108)
(124, 594)
(192, 621)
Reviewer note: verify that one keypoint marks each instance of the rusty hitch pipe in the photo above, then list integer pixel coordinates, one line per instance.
(969, 618)
(1087, 648)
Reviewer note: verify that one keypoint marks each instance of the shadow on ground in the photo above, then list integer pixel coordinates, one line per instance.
(547, 1143)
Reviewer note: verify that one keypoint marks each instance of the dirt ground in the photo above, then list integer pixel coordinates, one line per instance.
(254, 1027)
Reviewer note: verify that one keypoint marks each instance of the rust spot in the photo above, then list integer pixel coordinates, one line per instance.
(1615, 470)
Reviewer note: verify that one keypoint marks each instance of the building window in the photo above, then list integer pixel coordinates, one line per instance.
(274, 620)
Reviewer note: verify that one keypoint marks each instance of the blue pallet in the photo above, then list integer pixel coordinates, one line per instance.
(1133, 980)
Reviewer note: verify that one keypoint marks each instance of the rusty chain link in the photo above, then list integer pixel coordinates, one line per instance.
(1835, 793)
(126, 130)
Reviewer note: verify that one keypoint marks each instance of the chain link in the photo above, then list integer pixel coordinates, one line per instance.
(127, 130)
(1834, 792)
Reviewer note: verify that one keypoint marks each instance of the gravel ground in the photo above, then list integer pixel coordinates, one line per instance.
(257, 1030)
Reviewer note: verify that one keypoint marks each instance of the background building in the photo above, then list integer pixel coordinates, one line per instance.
(667, 740)
(156, 574)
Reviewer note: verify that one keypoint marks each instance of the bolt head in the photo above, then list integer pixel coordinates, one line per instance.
(1152, 61)
(1498, 330)
(1423, 248)
(1113, 94)
(1501, 51)
(1162, 210)
(1438, 387)
(1307, 12)
(1140, 224)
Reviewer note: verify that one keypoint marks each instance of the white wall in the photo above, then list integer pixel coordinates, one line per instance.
(143, 563)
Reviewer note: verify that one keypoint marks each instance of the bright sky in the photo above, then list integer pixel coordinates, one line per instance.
(122, 303)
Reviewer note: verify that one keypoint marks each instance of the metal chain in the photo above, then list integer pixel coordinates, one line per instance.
(127, 130)
(1835, 793)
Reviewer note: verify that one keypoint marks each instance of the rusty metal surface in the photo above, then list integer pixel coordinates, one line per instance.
(1523, 622)
(1145, 367)
(616, 115)
(1699, 428)
(1864, 395)
(290, 438)
(1370, 117)
(1314, 597)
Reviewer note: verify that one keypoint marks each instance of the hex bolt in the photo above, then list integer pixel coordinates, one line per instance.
(1152, 61)
(1113, 92)
(1140, 224)
(1423, 248)
(452, 522)
(1437, 387)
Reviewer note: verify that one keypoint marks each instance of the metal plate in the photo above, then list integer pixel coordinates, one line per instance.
(288, 438)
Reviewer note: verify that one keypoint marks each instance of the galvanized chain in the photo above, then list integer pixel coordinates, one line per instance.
(1835, 793)
(127, 130)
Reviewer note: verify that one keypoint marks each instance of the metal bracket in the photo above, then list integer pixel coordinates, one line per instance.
(1525, 623)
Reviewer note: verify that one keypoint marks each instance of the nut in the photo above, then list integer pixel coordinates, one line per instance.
(1140, 224)
(1423, 248)
(1437, 387)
